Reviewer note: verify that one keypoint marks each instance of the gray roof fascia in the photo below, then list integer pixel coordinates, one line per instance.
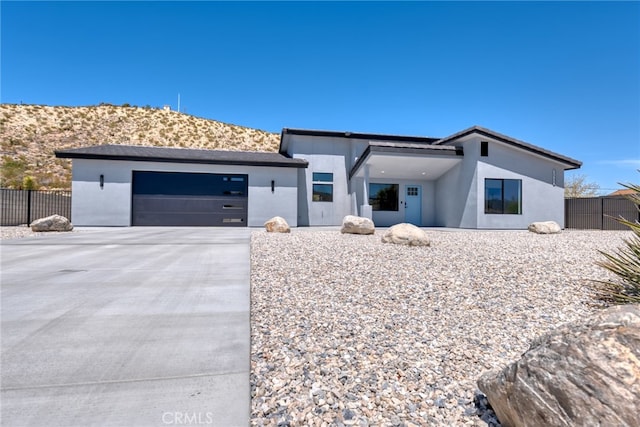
(573, 163)
(360, 162)
(181, 155)
(404, 149)
(352, 135)
(418, 146)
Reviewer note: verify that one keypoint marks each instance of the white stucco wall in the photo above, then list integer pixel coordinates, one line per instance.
(455, 195)
(460, 192)
(541, 199)
(93, 206)
(328, 155)
(111, 206)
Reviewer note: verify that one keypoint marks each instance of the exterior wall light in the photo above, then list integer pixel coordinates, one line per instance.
(273, 186)
(102, 182)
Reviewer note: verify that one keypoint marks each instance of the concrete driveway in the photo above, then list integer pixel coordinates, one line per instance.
(126, 327)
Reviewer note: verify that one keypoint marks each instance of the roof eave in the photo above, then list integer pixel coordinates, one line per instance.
(356, 135)
(302, 164)
(572, 163)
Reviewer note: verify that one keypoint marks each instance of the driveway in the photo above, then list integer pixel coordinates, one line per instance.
(126, 327)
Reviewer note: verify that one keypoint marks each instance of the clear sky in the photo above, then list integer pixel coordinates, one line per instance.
(564, 76)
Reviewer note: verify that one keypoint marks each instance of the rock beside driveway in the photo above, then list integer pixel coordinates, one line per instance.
(52, 223)
(545, 227)
(352, 224)
(277, 224)
(406, 234)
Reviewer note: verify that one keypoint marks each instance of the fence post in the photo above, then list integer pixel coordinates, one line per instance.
(29, 207)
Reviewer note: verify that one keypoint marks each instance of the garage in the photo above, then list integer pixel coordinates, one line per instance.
(124, 185)
(189, 199)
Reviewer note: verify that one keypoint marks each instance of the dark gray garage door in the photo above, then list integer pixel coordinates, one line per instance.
(189, 199)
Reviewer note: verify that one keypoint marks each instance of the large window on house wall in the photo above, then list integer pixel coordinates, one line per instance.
(383, 197)
(503, 196)
(322, 187)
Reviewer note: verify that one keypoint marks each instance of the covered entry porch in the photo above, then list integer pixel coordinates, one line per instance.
(396, 182)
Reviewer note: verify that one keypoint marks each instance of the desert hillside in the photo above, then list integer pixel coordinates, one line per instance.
(29, 134)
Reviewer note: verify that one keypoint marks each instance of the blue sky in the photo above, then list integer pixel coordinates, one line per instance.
(564, 76)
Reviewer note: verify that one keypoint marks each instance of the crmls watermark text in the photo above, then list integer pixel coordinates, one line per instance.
(187, 418)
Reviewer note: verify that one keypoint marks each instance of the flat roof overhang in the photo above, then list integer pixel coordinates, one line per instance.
(410, 161)
(181, 155)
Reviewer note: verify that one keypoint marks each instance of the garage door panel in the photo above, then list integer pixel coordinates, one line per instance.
(206, 199)
(189, 220)
(188, 204)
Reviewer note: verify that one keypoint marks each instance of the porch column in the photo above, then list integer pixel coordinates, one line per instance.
(365, 209)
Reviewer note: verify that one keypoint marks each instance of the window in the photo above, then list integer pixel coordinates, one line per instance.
(383, 197)
(503, 196)
(484, 148)
(322, 177)
(322, 192)
(189, 184)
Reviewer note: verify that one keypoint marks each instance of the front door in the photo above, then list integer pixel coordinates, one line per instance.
(413, 204)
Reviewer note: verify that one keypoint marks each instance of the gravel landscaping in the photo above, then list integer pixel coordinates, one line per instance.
(22, 231)
(16, 232)
(346, 330)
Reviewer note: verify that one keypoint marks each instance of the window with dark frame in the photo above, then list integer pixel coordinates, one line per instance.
(503, 196)
(190, 184)
(322, 187)
(383, 197)
(484, 148)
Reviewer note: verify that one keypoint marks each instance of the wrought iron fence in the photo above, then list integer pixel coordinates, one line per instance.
(23, 206)
(597, 213)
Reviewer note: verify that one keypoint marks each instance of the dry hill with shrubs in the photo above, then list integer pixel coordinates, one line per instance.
(29, 135)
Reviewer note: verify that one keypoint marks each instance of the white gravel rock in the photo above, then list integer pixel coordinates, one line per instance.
(23, 231)
(346, 330)
(16, 232)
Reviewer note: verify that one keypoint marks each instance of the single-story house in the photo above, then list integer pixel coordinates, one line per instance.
(476, 178)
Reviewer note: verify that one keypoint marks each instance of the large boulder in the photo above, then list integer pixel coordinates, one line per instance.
(52, 223)
(277, 224)
(581, 374)
(406, 234)
(357, 225)
(545, 227)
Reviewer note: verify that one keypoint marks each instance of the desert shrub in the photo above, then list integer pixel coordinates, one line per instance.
(29, 183)
(624, 263)
(13, 171)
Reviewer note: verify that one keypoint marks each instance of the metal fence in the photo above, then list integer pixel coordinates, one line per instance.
(595, 213)
(23, 206)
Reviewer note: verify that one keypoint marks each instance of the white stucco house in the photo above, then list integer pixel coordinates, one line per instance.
(476, 178)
